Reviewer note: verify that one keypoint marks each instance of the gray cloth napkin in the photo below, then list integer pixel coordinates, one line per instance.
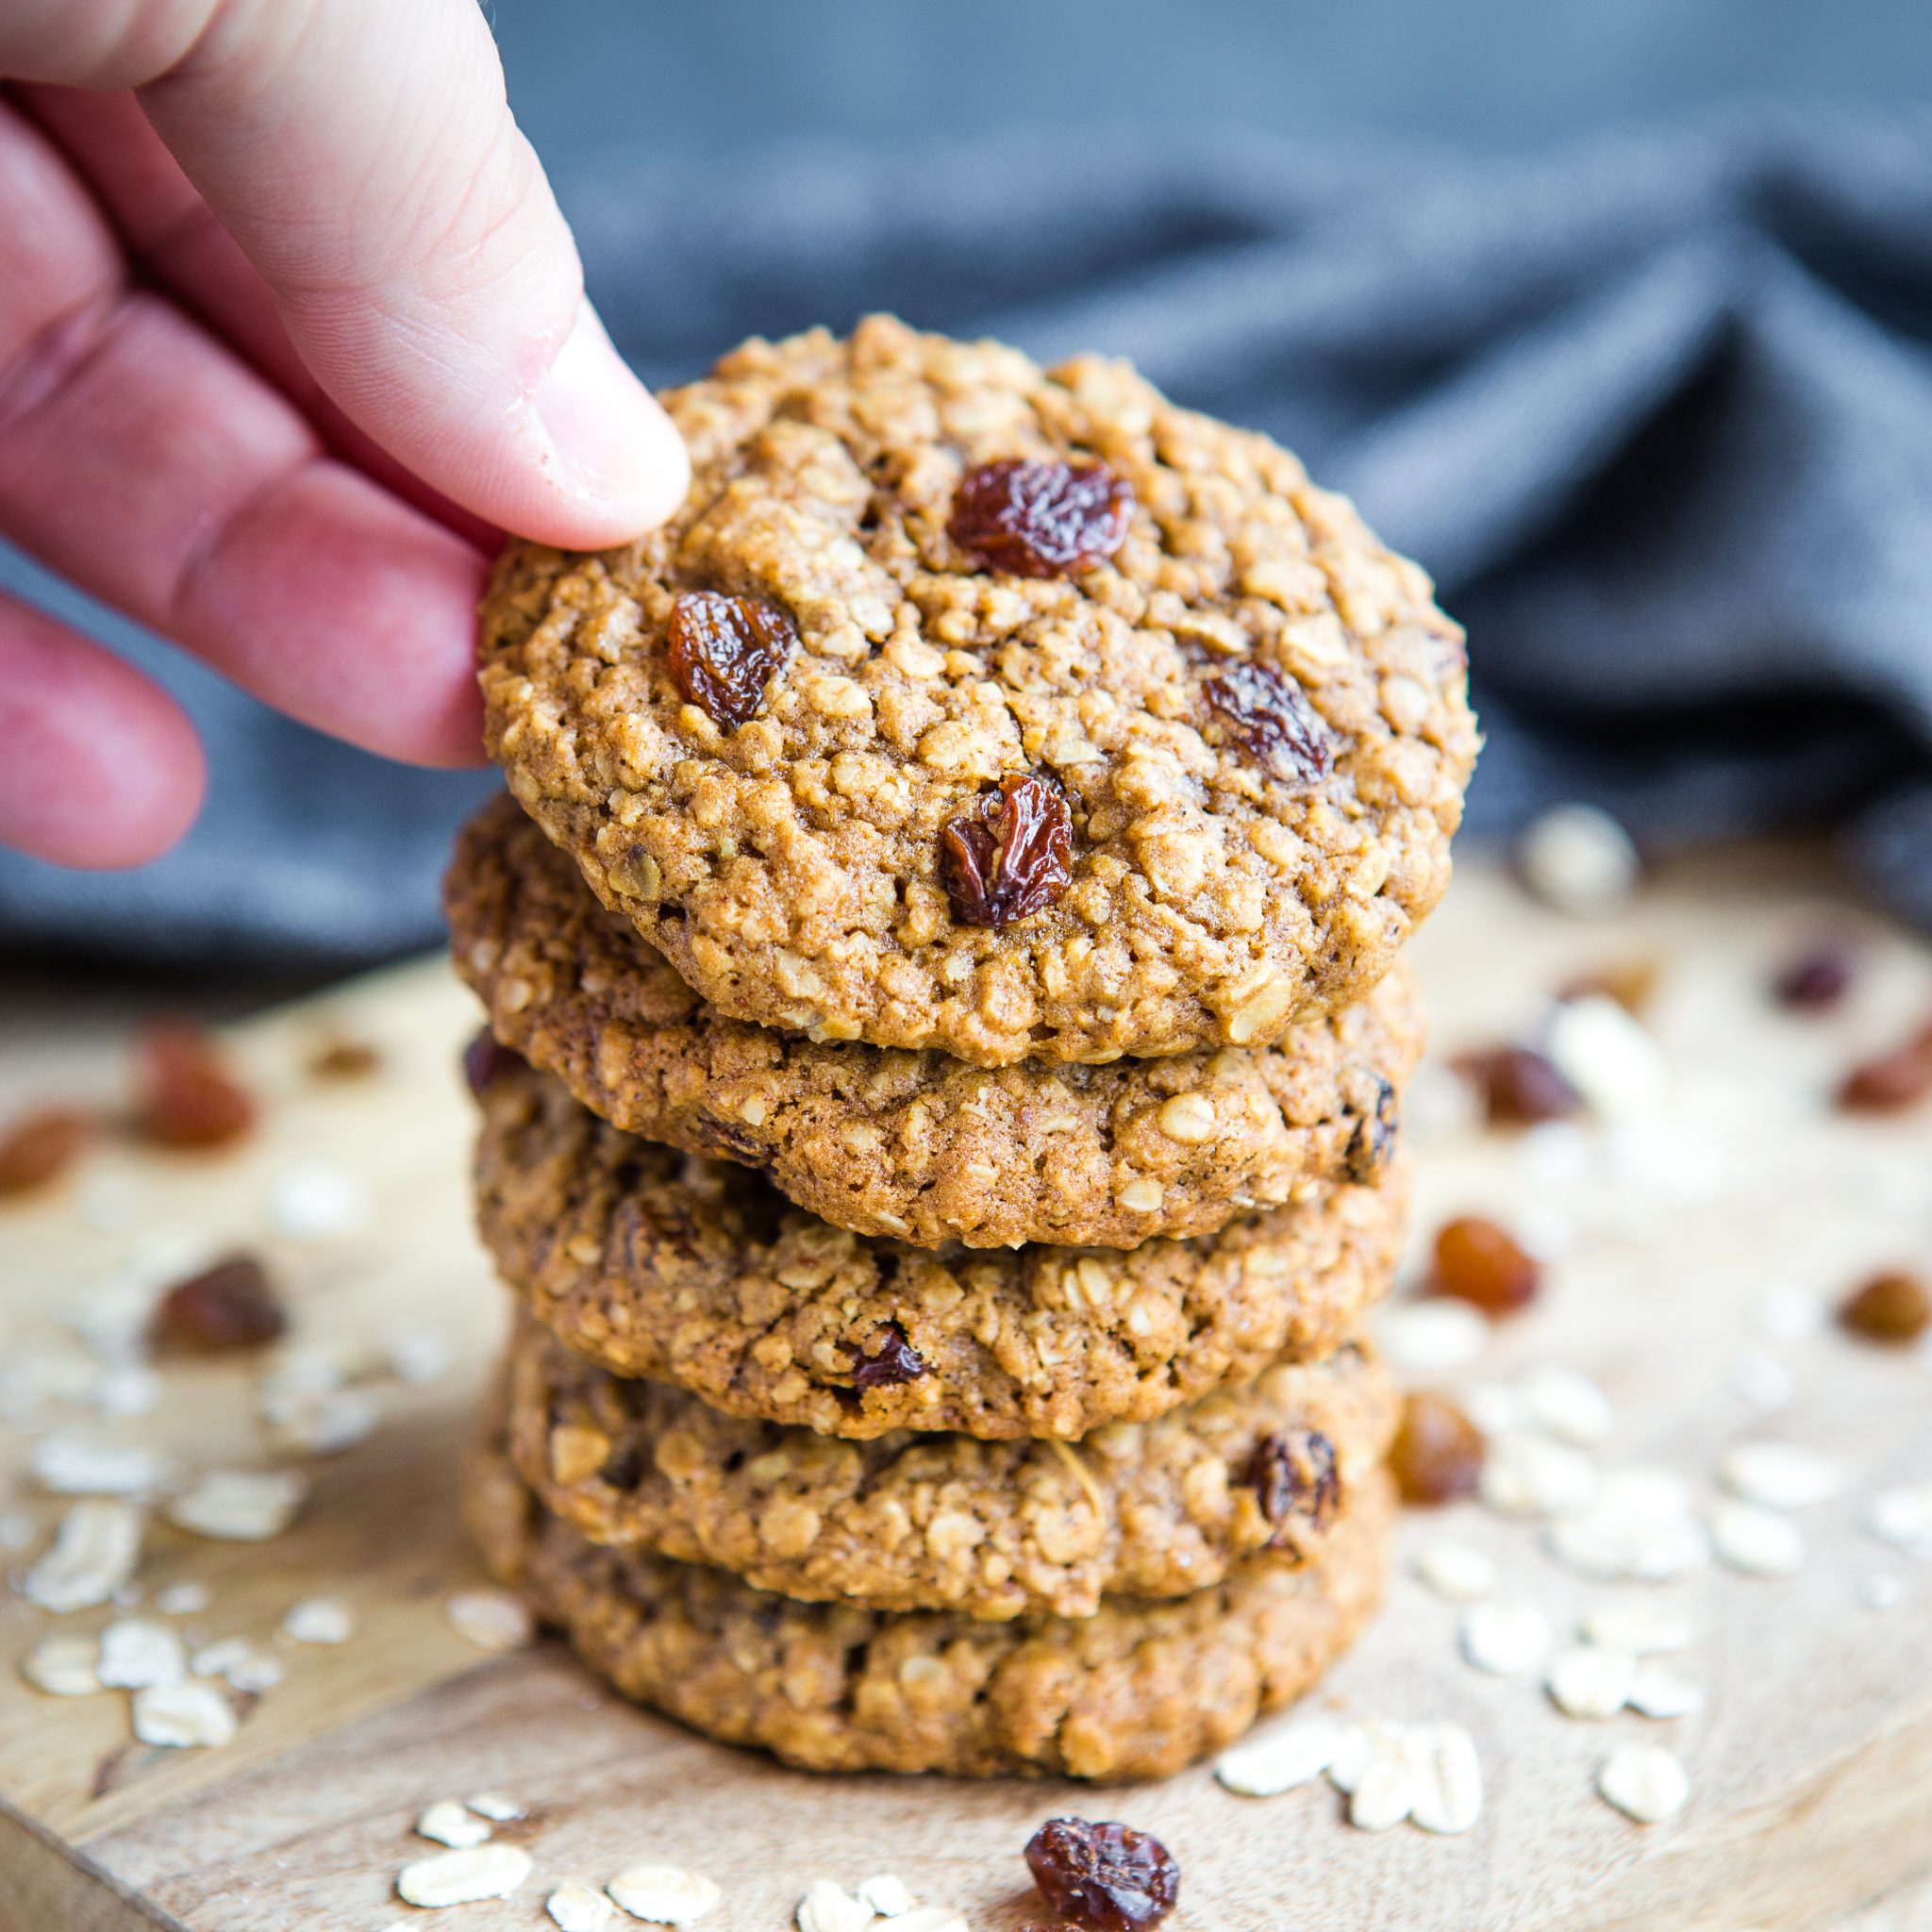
(1657, 414)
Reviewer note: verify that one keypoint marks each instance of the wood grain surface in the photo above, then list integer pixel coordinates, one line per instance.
(1811, 1764)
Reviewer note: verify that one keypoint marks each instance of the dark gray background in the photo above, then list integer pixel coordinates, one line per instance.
(634, 104)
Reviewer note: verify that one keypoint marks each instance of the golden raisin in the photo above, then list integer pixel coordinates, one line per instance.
(1518, 1086)
(1438, 1453)
(1892, 1307)
(1889, 1082)
(185, 1095)
(41, 1147)
(344, 1059)
(1480, 1262)
(1007, 857)
(1041, 520)
(724, 651)
(1269, 716)
(1632, 983)
(230, 1305)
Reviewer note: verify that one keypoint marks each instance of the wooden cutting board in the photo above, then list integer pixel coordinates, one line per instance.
(1811, 1764)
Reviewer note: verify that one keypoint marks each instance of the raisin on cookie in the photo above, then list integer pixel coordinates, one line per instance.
(1137, 1690)
(910, 1521)
(967, 706)
(696, 1272)
(916, 1144)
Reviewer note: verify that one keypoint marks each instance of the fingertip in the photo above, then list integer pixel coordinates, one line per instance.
(613, 462)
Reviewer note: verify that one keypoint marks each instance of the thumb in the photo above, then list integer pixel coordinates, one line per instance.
(364, 156)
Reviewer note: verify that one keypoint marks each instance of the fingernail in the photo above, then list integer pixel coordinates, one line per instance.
(616, 447)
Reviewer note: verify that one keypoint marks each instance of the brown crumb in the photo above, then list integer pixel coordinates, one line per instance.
(1438, 1453)
(1516, 1086)
(1480, 1262)
(230, 1305)
(1632, 983)
(1891, 1082)
(185, 1093)
(344, 1059)
(40, 1146)
(1893, 1308)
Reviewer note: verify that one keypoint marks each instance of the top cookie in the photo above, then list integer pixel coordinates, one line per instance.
(1020, 715)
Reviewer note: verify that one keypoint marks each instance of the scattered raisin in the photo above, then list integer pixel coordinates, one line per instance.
(1893, 1308)
(230, 1305)
(1292, 1474)
(484, 1058)
(1632, 984)
(1008, 856)
(185, 1095)
(890, 1362)
(41, 1147)
(1518, 1086)
(1479, 1262)
(1371, 1146)
(1891, 1082)
(723, 650)
(344, 1059)
(1041, 520)
(1108, 1877)
(1438, 1453)
(1270, 717)
(1815, 981)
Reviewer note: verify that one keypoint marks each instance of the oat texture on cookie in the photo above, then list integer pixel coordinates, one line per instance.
(965, 706)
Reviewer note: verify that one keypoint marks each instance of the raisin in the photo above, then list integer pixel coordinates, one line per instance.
(344, 1059)
(484, 1058)
(1479, 1262)
(1518, 1086)
(185, 1095)
(230, 1305)
(890, 1360)
(1890, 1081)
(1041, 520)
(1892, 1307)
(1008, 856)
(724, 651)
(1294, 1474)
(1109, 1878)
(41, 1147)
(1816, 980)
(1270, 717)
(1438, 1453)
(1632, 984)
(1371, 1146)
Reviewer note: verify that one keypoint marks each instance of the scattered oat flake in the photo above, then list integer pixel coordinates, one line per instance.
(1780, 1476)
(1588, 1681)
(828, 1907)
(1568, 1405)
(314, 1203)
(450, 1823)
(1460, 1572)
(1579, 859)
(255, 1674)
(1881, 1591)
(1608, 1057)
(62, 1665)
(240, 1505)
(1642, 1629)
(94, 1553)
(577, 1908)
(1528, 1476)
(319, 1620)
(138, 1654)
(16, 1530)
(492, 1619)
(496, 1808)
(664, 1894)
(183, 1716)
(1448, 1796)
(1761, 1380)
(1644, 1782)
(322, 1422)
(418, 1356)
(1658, 1692)
(185, 1599)
(1639, 1528)
(1504, 1638)
(1902, 1518)
(1389, 1782)
(1281, 1758)
(1431, 1335)
(218, 1659)
(71, 1462)
(1755, 1542)
(1787, 1313)
(886, 1895)
(461, 1878)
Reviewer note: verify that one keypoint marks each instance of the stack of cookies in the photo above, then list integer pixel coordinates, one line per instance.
(940, 1117)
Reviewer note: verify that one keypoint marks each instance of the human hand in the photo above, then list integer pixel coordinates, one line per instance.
(290, 327)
